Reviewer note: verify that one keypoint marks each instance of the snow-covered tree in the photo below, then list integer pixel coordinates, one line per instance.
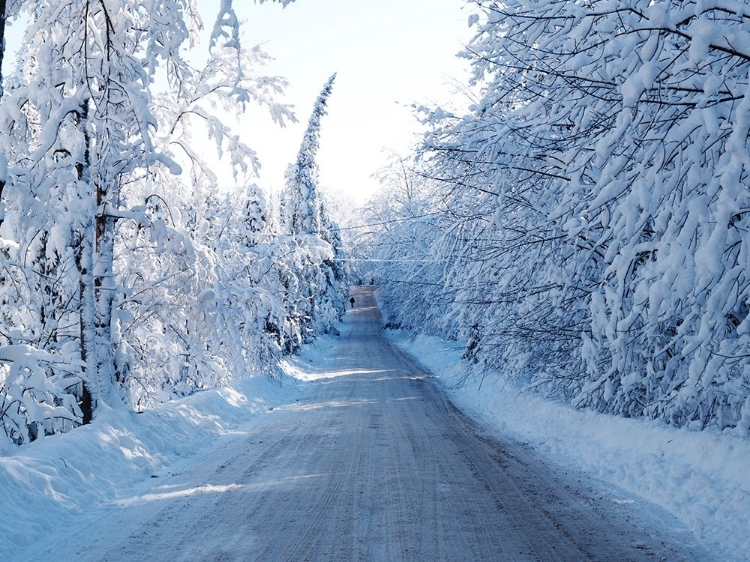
(109, 292)
(300, 199)
(8, 10)
(90, 67)
(597, 191)
(402, 226)
(199, 278)
(315, 295)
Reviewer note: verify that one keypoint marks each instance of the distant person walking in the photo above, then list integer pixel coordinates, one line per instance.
(351, 301)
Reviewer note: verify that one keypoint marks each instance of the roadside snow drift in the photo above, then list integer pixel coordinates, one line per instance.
(45, 482)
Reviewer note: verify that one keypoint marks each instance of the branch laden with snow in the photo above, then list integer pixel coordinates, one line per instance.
(596, 198)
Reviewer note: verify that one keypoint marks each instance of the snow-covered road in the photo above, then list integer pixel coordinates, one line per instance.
(370, 463)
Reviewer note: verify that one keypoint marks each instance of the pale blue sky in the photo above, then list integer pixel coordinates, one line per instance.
(387, 53)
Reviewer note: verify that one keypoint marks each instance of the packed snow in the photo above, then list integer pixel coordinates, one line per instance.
(55, 481)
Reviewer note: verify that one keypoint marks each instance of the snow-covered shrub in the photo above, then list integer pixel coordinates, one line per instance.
(37, 394)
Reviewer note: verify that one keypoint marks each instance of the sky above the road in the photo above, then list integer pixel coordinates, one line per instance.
(388, 55)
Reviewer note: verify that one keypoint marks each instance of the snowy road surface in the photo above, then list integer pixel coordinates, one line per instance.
(371, 463)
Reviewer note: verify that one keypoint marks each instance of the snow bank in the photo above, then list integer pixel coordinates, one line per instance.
(45, 482)
(703, 479)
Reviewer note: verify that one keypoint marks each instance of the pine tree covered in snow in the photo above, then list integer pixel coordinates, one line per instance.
(314, 297)
(301, 201)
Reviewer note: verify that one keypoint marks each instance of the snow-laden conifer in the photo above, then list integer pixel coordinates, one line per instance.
(300, 200)
(315, 295)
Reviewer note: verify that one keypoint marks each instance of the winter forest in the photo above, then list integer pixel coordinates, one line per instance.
(127, 276)
(581, 226)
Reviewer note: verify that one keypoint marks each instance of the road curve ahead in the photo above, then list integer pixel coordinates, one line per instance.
(374, 463)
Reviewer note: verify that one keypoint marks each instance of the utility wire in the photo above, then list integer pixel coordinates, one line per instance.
(392, 221)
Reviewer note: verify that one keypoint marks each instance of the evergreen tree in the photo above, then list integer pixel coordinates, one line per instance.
(300, 200)
(315, 299)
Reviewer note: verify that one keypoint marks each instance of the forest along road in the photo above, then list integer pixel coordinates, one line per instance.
(374, 463)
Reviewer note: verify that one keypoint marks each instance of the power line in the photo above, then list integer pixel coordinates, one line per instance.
(389, 260)
(392, 221)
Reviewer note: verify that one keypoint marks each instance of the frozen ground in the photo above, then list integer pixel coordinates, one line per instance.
(357, 455)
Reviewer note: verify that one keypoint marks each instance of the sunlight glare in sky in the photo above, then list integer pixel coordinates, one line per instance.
(388, 54)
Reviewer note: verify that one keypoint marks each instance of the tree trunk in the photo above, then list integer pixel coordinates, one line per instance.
(3, 162)
(104, 291)
(84, 261)
(93, 389)
(3, 18)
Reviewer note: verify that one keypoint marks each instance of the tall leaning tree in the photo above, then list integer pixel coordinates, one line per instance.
(318, 294)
